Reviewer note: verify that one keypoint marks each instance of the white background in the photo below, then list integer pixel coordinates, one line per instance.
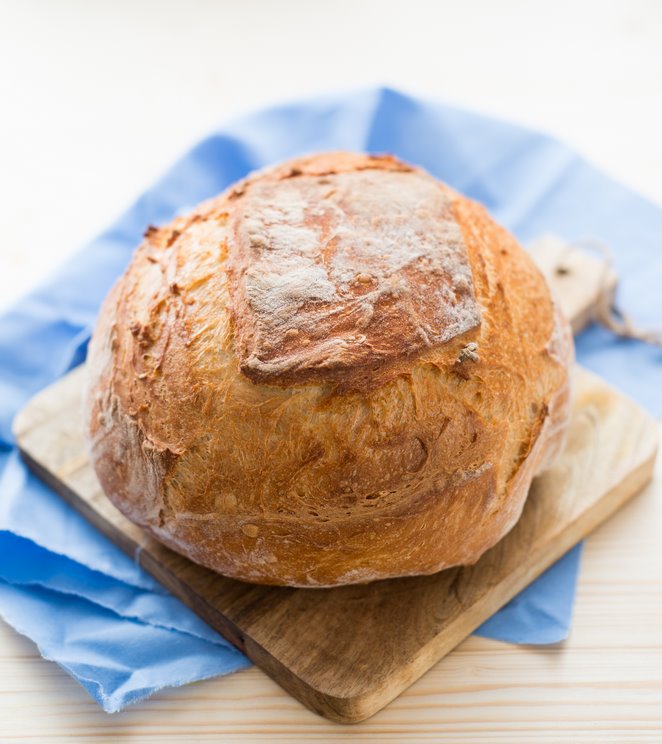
(97, 98)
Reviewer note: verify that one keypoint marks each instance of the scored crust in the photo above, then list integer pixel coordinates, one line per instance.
(337, 271)
(339, 370)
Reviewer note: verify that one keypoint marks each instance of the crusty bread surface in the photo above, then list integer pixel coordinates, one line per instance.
(337, 371)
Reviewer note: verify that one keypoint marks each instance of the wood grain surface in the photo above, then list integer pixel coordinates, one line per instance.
(346, 652)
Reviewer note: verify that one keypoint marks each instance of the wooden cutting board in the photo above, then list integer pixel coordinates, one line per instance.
(346, 652)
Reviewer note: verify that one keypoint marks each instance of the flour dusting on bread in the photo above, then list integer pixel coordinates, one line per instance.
(314, 259)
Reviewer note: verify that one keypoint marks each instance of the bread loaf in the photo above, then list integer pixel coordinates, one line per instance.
(337, 371)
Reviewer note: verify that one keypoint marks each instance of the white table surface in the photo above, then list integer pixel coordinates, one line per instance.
(97, 98)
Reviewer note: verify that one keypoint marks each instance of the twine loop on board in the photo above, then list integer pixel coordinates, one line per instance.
(606, 312)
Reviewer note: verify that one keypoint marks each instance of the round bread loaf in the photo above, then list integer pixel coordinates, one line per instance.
(339, 370)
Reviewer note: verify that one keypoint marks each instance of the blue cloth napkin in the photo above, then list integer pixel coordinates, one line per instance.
(108, 623)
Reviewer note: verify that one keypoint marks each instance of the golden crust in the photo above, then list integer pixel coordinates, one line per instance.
(337, 275)
(255, 452)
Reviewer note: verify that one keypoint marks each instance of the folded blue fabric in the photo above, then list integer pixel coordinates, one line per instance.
(111, 625)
